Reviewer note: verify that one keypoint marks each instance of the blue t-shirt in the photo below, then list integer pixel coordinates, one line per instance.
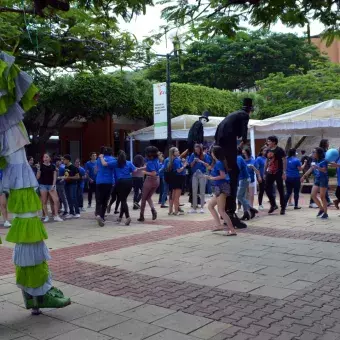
(215, 171)
(338, 173)
(153, 165)
(293, 165)
(242, 166)
(123, 172)
(82, 173)
(198, 165)
(251, 171)
(319, 174)
(177, 164)
(105, 173)
(89, 167)
(260, 163)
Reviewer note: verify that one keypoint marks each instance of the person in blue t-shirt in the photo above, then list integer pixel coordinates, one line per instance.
(199, 162)
(91, 173)
(81, 184)
(221, 181)
(252, 170)
(104, 182)
(293, 182)
(151, 182)
(260, 162)
(164, 188)
(176, 178)
(123, 175)
(243, 184)
(320, 169)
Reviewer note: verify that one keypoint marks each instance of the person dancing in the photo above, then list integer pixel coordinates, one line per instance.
(151, 182)
(123, 170)
(137, 181)
(177, 172)
(219, 176)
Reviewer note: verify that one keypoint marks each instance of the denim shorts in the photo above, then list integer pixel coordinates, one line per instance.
(321, 182)
(44, 187)
(223, 188)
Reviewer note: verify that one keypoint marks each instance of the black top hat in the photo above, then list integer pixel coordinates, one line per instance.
(205, 115)
(248, 103)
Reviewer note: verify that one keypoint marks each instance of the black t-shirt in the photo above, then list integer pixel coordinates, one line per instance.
(71, 171)
(46, 174)
(275, 163)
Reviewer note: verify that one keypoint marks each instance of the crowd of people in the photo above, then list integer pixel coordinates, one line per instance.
(204, 171)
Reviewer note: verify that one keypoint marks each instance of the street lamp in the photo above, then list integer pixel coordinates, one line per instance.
(168, 91)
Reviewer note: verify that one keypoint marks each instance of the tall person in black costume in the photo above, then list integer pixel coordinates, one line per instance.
(233, 127)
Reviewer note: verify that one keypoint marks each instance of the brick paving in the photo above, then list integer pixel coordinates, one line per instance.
(310, 313)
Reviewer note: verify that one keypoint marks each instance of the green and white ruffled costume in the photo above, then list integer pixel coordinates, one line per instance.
(17, 95)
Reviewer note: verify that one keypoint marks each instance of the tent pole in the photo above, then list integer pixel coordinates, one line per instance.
(252, 145)
(131, 148)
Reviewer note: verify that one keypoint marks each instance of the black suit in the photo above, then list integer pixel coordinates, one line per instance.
(195, 136)
(231, 128)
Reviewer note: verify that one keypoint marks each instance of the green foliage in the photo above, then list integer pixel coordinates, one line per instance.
(85, 37)
(220, 17)
(285, 94)
(238, 63)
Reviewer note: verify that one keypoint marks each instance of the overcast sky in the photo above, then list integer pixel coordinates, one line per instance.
(144, 25)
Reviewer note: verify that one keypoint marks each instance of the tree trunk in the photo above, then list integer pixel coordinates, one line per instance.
(301, 140)
(288, 144)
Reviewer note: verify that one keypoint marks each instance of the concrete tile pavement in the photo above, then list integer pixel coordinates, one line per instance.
(292, 277)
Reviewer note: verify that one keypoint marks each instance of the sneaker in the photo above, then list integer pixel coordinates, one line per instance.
(68, 216)
(119, 219)
(282, 212)
(313, 205)
(7, 224)
(261, 207)
(324, 216)
(272, 209)
(202, 211)
(83, 209)
(164, 206)
(116, 212)
(320, 213)
(135, 206)
(128, 221)
(89, 206)
(181, 210)
(192, 211)
(100, 221)
(297, 208)
(330, 204)
(46, 219)
(77, 216)
(57, 219)
(290, 204)
(65, 213)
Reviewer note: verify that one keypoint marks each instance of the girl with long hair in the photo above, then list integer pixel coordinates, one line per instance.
(199, 162)
(47, 177)
(320, 168)
(104, 182)
(138, 180)
(219, 176)
(260, 162)
(176, 179)
(123, 170)
(151, 182)
(246, 153)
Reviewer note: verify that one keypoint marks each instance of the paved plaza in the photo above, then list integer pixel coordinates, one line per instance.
(173, 279)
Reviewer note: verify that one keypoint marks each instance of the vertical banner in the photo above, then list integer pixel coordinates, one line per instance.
(160, 111)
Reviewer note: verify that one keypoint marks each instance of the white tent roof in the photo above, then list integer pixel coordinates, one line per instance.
(322, 119)
(180, 128)
(315, 120)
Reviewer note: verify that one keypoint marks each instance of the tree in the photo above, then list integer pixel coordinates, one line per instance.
(220, 17)
(86, 36)
(226, 63)
(284, 94)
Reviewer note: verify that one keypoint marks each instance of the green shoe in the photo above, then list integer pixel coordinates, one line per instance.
(56, 292)
(49, 300)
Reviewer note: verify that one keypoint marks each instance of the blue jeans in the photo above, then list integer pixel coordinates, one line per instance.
(242, 189)
(164, 191)
(208, 188)
(72, 199)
